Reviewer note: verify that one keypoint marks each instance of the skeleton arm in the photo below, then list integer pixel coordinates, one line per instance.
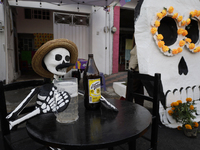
(13, 115)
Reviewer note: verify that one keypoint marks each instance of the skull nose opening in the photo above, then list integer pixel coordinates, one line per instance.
(182, 67)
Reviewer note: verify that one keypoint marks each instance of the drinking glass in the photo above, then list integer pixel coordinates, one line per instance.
(70, 85)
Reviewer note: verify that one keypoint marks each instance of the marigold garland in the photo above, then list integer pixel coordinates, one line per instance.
(185, 41)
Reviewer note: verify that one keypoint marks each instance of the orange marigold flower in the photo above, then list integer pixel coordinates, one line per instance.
(191, 107)
(176, 104)
(157, 23)
(188, 99)
(198, 13)
(192, 14)
(159, 36)
(191, 46)
(188, 126)
(188, 21)
(179, 101)
(161, 44)
(165, 48)
(172, 104)
(173, 108)
(180, 18)
(159, 15)
(179, 49)
(180, 31)
(188, 40)
(181, 43)
(164, 12)
(195, 12)
(153, 30)
(171, 9)
(185, 32)
(197, 49)
(179, 128)
(196, 124)
(175, 16)
(183, 23)
(174, 51)
(170, 112)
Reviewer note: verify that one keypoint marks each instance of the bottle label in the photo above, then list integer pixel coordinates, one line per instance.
(94, 90)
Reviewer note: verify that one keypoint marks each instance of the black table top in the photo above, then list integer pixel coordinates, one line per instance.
(93, 129)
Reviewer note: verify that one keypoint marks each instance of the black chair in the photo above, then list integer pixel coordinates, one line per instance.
(154, 89)
(17, 138)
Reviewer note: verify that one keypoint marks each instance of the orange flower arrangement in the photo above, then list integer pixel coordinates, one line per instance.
(188, 40)
(180, 18)
(164, 12)
(171, 9)
(181, 43)
(153, 30)
(159, 15)
(183, 23)
(175, 16)
(185, 32)
(183, 113)
(159, 36)
(161, 44)
(165, 48)
(157, 23)
(180, 31)
(188, 21)
(191, 46)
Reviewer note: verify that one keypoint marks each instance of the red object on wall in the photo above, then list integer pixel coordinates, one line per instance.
(116, 39)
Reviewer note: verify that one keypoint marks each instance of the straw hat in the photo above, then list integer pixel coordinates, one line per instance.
(37, 61)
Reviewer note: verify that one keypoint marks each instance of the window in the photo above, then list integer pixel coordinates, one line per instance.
(37, 14)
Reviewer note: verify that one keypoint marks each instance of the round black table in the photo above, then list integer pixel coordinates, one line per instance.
(94, 129)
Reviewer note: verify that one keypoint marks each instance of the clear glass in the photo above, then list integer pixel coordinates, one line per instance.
(70, 114)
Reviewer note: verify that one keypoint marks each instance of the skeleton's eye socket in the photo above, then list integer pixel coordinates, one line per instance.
(67, 58)
(193, 31)
(58, 57)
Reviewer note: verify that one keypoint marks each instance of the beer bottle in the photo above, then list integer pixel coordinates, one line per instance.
(92, 85)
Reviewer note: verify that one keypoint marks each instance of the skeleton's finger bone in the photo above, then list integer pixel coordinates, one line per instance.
(67, 101)
(62, 104)
(39, 102)
(43, 106)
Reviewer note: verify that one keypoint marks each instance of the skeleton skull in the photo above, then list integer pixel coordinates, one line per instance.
(180, 72)
(56, 57)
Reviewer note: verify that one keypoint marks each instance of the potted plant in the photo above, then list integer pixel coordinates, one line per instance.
(184, 114)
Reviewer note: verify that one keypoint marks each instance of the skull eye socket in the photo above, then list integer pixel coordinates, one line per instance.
(58, 57)
(193, 31)
(67, 58)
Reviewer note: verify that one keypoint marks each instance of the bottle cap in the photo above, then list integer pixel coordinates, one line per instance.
(90, 55)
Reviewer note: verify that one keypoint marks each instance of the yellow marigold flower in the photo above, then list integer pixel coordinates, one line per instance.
(196, 124)
(180, 18)
(181, 43)
(188, 40)
(165, 48)
(179, 101)
(188, 99)
(197, 49)
(191, 46)
(176, 104)
(185, 32)
(192, 14)
(173, 108)
(157, 23)
(171, 9)
(174, 51)
(153, 30)
(183, 23)
(195, 12)
(161, 44)
(188, 21)
(179, 49)
(164, 12)
(159, 15)
(198, 13)
(188, 126)
(175, 16)
(159, 36)
(179, 128)
(180, 31)
(191, 107)
(170, 112)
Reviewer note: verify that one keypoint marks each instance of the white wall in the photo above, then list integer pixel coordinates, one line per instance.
(2, 47)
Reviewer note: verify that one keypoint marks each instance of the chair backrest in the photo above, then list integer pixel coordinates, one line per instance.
(14, 86)
(153, 86)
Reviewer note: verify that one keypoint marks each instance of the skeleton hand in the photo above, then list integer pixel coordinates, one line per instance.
(55, 101)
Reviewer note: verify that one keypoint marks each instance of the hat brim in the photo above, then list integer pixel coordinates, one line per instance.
(37, 61)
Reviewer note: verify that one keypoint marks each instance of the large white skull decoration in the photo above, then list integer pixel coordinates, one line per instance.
(179, 67)
(55, 58)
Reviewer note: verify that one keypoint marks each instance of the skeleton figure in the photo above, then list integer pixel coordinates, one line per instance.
(56, 61)
(53, 59)
(179, 66)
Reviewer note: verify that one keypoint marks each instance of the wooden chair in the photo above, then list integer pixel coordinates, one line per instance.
(17, 138)
(153, 86)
